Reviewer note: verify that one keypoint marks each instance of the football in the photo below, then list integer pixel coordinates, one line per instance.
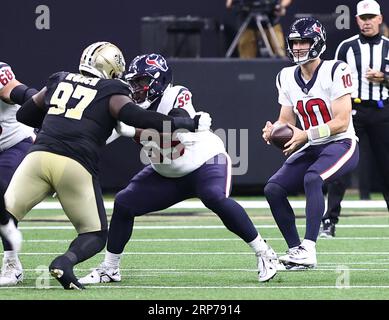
(280, 135)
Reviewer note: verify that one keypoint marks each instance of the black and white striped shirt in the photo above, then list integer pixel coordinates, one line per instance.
(361, 53)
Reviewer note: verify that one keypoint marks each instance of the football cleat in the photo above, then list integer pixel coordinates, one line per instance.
(328, 230)
(299, 257)
(102, 274)
(11, 272)
(267, 269)
(270, 254)
(12, 234)
(63, 272)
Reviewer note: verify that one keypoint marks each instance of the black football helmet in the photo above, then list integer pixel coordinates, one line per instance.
(148, 77)
(306, 29)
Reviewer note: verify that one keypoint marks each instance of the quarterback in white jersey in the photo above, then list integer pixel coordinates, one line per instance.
(15, 141)
(318, 93)
(312, 100)
(192, 165)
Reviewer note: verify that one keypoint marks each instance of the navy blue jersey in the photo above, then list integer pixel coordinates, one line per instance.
(78, 120)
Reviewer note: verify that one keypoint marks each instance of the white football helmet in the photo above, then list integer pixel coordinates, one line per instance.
(103, 60)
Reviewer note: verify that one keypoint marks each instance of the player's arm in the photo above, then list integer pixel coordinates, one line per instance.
(12, 90)
(32, 112)
(123, 109)
(341, 109)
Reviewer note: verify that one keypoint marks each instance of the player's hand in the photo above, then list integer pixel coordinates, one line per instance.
(125, 130)
(266, 130)
(203, 121)
(299, 137)
(374, 76)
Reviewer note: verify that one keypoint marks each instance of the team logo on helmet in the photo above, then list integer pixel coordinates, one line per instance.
(157, 61)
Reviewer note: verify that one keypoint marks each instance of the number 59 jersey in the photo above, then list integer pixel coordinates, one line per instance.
(311, 101)
(78, 120)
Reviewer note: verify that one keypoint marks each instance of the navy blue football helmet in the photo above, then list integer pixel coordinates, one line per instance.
(306, 29)
(148, 77)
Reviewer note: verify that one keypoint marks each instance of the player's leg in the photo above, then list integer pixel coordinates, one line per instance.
(287, 180)
(333, 161)
(26, 189)
(212, 183)
(80, 195)
(9, 161)
(336, 191)
(148, 191)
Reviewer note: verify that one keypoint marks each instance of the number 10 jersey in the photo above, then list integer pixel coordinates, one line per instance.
(311, 100)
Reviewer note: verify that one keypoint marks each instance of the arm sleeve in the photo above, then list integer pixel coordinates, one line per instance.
(135, 116)
(22, 93)
(30, 114)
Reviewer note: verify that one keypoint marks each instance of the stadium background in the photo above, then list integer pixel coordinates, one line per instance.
(239, 94)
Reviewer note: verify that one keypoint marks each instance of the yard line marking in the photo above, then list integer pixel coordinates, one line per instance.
(157, 271)
(257, 287)
(247, 204)
(264, 226)
(207, 239)
(209, 253)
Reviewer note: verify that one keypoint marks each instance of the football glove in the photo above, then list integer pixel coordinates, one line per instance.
(203, 121)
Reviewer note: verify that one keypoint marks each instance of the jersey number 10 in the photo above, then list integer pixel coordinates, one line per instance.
(62, 95)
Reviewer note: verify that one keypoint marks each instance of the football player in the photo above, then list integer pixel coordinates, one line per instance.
(77, 113)
(193, 165)
(317, 92)
(15, 140)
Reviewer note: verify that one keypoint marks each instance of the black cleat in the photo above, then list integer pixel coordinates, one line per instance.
(62, 270)
(328, 230)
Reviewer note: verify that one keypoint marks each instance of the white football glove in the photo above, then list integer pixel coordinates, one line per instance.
(125, 130)
(204, 121)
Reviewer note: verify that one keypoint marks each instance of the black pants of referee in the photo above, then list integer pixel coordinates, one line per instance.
(372, 127)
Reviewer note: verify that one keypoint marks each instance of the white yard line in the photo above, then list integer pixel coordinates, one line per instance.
(247, 204)
(166, 227)
(209, 253)
(257, 287)
(207, 239)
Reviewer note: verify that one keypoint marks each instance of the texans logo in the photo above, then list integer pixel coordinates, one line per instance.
(316, 28)
(156, 63)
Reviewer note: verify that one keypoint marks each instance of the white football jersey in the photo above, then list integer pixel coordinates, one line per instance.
(311, 101)
(196, 147)
(11, 131)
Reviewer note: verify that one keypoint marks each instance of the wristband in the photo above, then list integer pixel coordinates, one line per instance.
(318, 132)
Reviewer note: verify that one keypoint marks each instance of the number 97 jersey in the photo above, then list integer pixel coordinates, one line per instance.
(311, 100)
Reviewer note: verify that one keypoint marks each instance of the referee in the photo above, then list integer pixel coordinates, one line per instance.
(365, 53)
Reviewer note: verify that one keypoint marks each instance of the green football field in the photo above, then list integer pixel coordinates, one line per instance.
(187, 254)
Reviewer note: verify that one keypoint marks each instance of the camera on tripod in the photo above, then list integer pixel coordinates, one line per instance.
(263, 12)
(265, 7)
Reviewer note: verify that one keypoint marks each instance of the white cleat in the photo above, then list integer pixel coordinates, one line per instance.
(270, 254)
(102, 274)
(299, 258)
(11, 273)
(266, 268)
(12, 234)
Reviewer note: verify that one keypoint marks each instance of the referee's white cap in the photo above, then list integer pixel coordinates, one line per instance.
(368, 7)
